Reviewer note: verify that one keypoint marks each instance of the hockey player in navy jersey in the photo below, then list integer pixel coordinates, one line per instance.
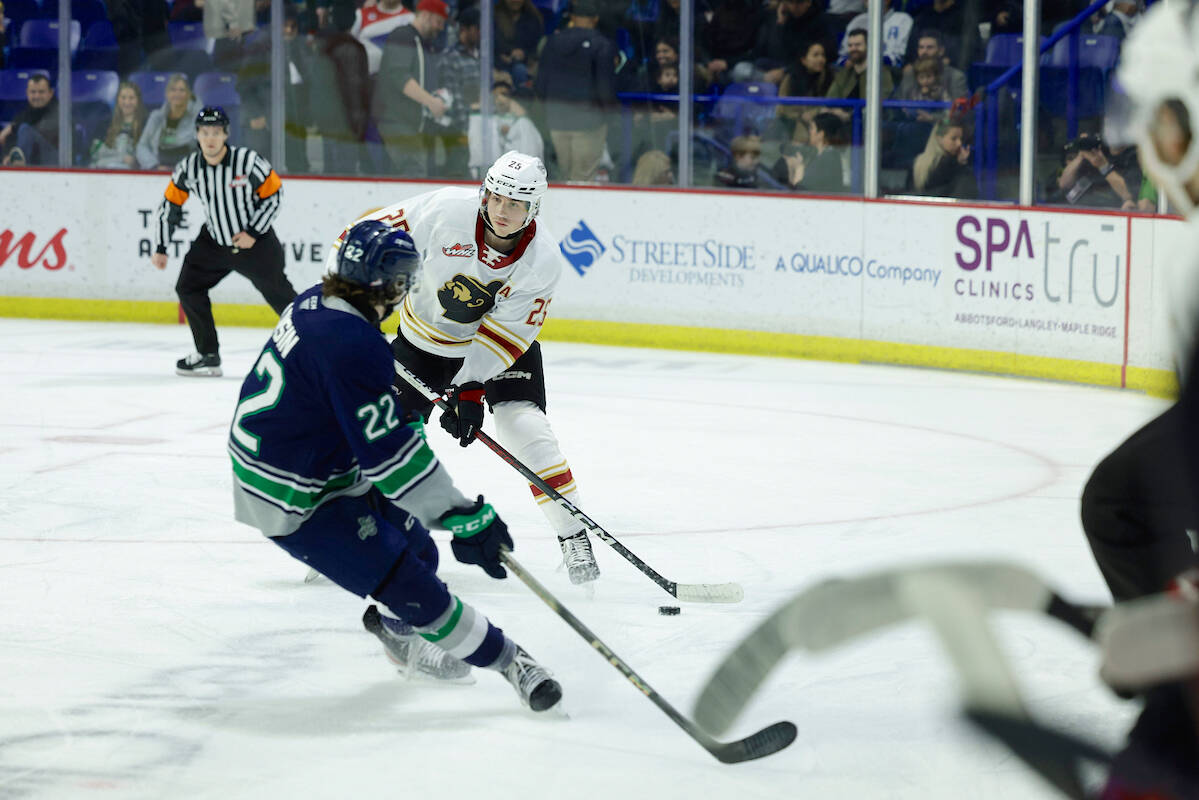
(325, 465)
(489, 269)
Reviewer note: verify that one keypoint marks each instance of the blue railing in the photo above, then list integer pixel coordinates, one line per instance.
(986, 131)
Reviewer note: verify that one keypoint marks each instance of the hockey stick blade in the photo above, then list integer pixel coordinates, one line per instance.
(691, 592)
(840, 610)
(767, 741)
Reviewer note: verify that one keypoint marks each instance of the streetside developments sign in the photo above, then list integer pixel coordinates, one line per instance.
(989, 278)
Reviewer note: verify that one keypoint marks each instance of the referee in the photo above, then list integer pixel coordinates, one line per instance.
(241, 194)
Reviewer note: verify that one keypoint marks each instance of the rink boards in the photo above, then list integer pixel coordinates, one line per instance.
(1086, 297)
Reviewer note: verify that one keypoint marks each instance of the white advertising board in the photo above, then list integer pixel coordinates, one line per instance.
(1038, 283)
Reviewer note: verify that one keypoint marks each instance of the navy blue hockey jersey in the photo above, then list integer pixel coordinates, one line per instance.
(317, 418)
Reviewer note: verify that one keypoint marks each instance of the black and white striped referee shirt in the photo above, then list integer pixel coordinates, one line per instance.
(241, 193)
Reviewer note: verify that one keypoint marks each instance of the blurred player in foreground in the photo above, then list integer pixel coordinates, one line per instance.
(1140, 501)
(469, 328)
(325, 467)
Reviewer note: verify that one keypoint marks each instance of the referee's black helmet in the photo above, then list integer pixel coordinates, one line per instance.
(213, 115)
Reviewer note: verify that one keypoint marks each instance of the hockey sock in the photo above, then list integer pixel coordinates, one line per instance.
(523, 428)
(466, 634)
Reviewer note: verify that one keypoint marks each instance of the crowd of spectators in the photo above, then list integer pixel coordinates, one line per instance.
(392, 87)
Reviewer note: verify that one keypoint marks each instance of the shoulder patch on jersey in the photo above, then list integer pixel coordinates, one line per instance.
(466, 299)
(459, 250)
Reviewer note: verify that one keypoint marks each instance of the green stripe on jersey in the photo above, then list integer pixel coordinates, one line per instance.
(405, 472)
(290, 494)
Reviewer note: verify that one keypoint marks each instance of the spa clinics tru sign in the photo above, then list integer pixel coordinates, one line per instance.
(1063, 260)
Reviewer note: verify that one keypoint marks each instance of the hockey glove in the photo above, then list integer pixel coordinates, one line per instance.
(467, 417)
(479, 533)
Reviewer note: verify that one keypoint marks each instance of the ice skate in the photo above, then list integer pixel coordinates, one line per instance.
(413, 656)
(199, 365)
(532, 682)
(578, 558)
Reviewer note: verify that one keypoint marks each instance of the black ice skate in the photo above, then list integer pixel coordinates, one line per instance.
(579, 560)
(208, 366)
(532, 682)
(413, 656)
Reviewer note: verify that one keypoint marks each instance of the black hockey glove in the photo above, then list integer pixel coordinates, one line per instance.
(479, 533)
(467, 417)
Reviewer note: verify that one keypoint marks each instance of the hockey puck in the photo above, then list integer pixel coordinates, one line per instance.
(669, 611)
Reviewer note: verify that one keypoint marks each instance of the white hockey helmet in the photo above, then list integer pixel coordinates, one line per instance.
(520, 177)
(1159, 79)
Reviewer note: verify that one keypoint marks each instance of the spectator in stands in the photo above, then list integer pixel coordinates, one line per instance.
(519, 29)
(742, 170)
(781, 38)
(928, 86)
(850, 81)
(732, 34)
(512, 128)
(1091, 175)
(340, 92)
(118, 148)
(943, 170)
(374, 22)
(575, 80)
(140, 28)
(407, 101)
(256, 93)
(228, 18)
(653, 169)
(170, 132)
(1121, 19)
(32, 136)
(930, 44)
(666, 28)
(948, 18)
(897, 29)
(3, 36)
(811, 76)
(815, 167)
(225, 22)
(460, 76)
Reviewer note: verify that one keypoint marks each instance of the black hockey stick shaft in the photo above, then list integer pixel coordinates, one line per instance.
(765, 742)
(669, 586)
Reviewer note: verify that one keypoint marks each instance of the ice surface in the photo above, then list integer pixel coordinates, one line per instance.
(151, 647)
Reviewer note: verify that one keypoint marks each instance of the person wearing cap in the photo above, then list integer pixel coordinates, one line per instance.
(240, 194)
(406, 101)
(576, 79)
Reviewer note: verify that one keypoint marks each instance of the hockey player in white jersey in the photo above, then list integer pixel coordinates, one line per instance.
(469, 330)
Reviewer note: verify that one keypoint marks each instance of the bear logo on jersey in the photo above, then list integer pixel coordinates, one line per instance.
(467, 299)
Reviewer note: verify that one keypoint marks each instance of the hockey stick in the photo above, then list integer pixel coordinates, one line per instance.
(840, 610)
(765, 742)
(1048, 751)
(692, 592)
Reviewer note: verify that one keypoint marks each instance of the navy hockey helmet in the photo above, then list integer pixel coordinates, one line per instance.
(376, 255)
(213, 115)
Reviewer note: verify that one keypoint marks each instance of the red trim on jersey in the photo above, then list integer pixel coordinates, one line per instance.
(508, 347)
(555, 482)
(521, 246)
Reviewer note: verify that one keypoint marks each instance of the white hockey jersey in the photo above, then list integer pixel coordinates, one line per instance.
(473, 302)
